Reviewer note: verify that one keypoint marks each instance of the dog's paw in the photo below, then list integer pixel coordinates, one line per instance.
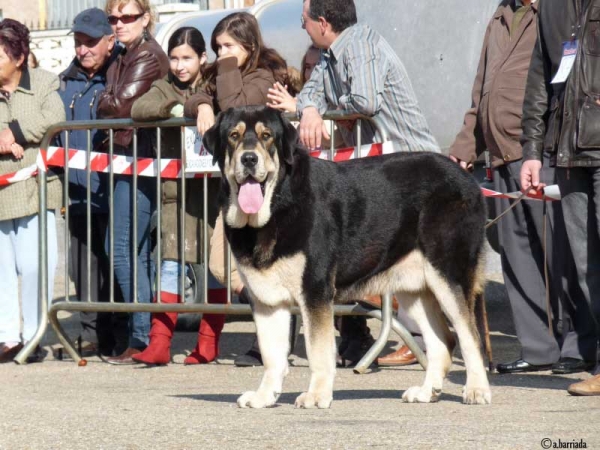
(312, 400)
(421, 394)
(253, 399)
(477, 396)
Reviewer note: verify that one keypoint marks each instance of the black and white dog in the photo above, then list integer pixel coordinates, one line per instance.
(311, 232)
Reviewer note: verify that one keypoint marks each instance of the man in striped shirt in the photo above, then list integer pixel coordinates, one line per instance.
(360, 73)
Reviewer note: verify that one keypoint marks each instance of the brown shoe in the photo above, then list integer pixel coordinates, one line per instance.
(591, 386)
(401, 357)
(374, 301)
(7, 354)
(125, 358)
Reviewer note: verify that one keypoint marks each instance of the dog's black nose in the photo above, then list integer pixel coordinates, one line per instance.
(249, 159)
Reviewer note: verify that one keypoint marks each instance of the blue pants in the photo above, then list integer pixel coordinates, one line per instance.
(19, 257)
(125, 251)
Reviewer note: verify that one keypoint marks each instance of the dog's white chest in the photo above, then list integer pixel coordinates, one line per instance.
(279, 283)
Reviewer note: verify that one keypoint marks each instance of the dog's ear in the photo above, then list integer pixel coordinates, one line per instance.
(289, 141)
(212, 139)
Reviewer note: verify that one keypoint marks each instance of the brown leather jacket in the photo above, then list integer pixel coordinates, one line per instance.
(126, 80)
(494, 120)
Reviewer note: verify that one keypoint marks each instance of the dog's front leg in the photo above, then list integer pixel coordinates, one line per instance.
(320, 347)
(273, 328)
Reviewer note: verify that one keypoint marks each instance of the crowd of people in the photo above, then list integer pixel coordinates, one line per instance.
(536, 123)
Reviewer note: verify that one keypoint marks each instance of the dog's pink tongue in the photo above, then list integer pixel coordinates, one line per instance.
(250, 196)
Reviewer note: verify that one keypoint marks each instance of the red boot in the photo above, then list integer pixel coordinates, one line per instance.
(207, 348)
(158, 351)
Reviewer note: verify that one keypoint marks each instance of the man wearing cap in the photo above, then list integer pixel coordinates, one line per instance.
(80, 87)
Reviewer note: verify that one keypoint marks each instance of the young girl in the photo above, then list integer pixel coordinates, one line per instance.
(187, 58)
(241, 76)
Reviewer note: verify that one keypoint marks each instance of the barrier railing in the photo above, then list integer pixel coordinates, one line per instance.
(51, 314)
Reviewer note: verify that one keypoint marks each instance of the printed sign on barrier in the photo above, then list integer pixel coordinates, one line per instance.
(197, 159)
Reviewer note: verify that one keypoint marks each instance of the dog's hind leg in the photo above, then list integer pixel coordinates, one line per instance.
(273, 328)
(453, 303)
(439, 343)
(320, 348)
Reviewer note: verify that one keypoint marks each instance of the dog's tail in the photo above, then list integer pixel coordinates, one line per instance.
(483, 327)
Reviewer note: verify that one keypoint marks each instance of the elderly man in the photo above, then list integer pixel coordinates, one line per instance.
(80, 86)
(360, 73)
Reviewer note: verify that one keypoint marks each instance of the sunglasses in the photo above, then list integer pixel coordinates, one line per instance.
(125, 18)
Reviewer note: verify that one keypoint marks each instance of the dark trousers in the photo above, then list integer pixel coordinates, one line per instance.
(522, 256)
(102, 328)
(580, 191)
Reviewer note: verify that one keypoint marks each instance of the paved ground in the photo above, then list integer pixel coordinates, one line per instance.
(57, 405)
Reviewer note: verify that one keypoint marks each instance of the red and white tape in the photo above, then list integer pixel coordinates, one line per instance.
(171, 168)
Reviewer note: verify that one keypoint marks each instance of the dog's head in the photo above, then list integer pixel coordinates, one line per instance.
(252, 145)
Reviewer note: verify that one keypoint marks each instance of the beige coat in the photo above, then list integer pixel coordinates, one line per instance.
(29, 111)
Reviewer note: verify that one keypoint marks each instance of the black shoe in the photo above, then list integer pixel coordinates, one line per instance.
(520, 366)
(251, 358)
(571, 365)
(37, 356)
(354, 352)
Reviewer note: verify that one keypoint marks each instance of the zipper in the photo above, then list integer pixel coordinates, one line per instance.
(92, 104)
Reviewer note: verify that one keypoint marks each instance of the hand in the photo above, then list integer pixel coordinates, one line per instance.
(530, 177)
(281, 99)
(17, 150)
(206, 118)
(465, 165)
(6, 138)
(312, 128)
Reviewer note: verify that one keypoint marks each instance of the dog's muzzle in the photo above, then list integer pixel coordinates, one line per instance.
(249, 160)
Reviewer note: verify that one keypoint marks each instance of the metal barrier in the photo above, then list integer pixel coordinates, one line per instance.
(51, 314)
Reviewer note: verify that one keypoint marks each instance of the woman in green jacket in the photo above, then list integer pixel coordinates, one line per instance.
(29, 105)
(165, 99)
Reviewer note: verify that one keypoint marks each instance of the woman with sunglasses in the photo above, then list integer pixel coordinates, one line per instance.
(241, 76)
(187, 56)
(141, 62)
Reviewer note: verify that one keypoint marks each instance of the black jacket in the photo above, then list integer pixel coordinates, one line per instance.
(563, 118)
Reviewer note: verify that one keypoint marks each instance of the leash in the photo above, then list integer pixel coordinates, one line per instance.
(518, 200)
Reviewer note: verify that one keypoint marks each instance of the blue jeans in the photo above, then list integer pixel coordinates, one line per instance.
(125, 251)
(170, 283)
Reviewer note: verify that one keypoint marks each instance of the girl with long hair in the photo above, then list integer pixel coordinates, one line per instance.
(187, 60)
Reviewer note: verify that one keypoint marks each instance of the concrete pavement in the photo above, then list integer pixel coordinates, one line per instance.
(57, 405)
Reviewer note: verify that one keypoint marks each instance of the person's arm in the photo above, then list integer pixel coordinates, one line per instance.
(366, 75)
(234, 91)
(155, 104)
(30, 128)
(469, 142)
(535, 112)
(311, 104)
(117, 100)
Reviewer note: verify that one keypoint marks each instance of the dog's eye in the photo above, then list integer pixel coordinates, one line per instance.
(266, 135)
(234, 135)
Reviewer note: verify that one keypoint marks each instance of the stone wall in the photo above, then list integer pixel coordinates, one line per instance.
(54, 49)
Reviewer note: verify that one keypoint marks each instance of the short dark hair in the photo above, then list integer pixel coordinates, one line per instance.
(190, 36)
(14, 38)
(340, 14)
